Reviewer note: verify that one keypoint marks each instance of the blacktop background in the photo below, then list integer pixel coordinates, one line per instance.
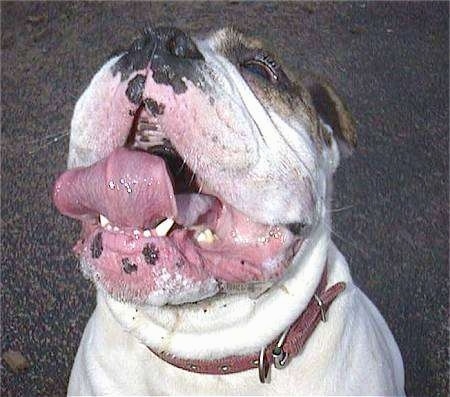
(390, 61)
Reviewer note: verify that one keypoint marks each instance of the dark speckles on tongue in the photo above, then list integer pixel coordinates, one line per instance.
(151, 254)
(153, 107)
(97, 246)
(135, 89)
(128, 266)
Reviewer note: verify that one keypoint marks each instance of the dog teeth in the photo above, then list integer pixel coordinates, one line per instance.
(164, 227)
(206, 236)
(147, 233)
(104, 221)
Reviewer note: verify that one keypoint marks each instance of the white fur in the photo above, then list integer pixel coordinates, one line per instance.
(278, 150)
(212, 337)
(352, 353)
(85, 128)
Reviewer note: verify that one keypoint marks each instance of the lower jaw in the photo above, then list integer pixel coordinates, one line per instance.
(172, 270)
(177, 268)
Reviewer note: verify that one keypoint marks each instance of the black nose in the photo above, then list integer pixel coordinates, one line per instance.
(174, 41)
(181, 45)
(169, 52)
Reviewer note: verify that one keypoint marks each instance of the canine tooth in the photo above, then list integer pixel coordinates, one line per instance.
(206, 236)
(163, 228)
(147, 233)
(103, 220)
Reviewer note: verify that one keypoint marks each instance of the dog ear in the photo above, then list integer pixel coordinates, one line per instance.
(333, 112)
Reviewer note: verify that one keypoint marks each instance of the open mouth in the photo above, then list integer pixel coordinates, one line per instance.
(153, 234)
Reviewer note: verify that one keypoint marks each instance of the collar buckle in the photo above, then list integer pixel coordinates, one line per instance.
(279, 357)
(323, 314)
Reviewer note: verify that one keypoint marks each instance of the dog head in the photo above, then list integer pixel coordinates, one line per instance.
(206, 161)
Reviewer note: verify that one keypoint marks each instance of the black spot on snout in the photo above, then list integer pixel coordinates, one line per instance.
(151, 254)
(153, 107)
(128, 266)
(97, 246)
(135, 89)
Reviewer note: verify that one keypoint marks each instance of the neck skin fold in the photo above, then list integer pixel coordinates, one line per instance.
(234, 324)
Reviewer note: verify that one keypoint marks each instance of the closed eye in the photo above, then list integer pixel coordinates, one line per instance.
(261, 68)
(263, 65)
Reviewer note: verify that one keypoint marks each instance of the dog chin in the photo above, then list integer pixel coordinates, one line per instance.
(124, 294)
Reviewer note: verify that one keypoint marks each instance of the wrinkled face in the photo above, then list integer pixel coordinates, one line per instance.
(196, 165)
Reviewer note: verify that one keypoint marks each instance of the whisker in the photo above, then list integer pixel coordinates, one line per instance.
(193, 173)
(51, 139)
(180, 170)
(347, 240)
(200, 188)
(345, 208)
(152, 56)
(43, 146)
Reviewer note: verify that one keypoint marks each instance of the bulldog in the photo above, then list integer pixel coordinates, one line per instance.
(201, 172)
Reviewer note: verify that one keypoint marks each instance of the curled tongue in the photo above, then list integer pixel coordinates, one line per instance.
(130, 188)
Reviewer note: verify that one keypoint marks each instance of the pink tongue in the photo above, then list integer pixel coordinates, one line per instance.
(130, 188)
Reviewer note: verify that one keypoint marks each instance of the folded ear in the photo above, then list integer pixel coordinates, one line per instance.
(333, 112)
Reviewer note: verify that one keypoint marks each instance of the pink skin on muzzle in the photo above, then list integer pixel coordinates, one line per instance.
(134, 190)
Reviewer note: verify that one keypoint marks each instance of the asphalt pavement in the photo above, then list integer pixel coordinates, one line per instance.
(390, 61)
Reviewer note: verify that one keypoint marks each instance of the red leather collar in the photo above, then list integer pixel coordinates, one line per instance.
(291, 340)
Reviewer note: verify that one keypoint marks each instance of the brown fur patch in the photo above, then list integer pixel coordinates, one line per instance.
(332, 109)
